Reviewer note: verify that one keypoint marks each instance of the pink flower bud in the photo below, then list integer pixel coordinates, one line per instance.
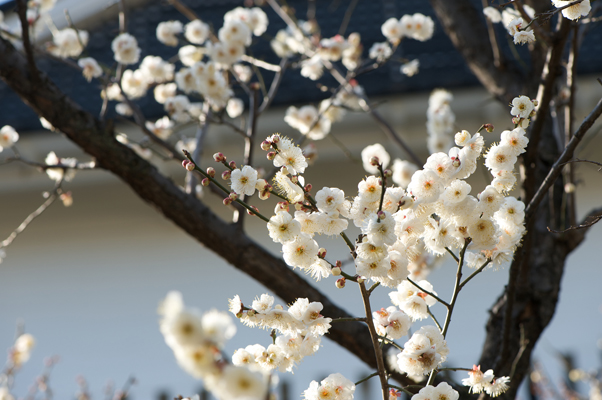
(226, 175)
(388, 173)
(308, 187)
(190, 167)
(339, 264)
(227, 201)
(185, 163)
(211, 172)
(264, 195)
(488, 127)
(233, 196)
(294, 179)
(374, 161)
(456, 162)
(336, 271)
(266, 145)
(282, 206)
(535, 102)
(205, 182)
(275, 139)
(381, 215)
(340, 283)
(219, 157)
(271, 155)
(322, 252)
(232, 164)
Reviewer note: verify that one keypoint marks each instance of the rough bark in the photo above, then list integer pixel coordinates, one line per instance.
(97, 138)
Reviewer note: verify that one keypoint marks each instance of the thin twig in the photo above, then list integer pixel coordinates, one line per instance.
(439, 299)
(347, 16)
(183, 9)
(51, 199)
(366, 378)
(380, 363)
(267, 100)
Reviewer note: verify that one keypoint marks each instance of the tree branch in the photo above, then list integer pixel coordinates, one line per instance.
(463, 24)
(566, 155)
(97, 138)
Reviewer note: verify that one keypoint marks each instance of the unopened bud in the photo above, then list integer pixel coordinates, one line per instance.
(516, 120)
(264, 195)
(308, 187)
(226, 175)
(219, 157)
(535, 102)
(266, 145)
(374, 161)
(456, 162)
(271, 155)
(185, 163)
(205, 182)
(227, 201)
(336, 271)
(67, 199)
(388, 173)
(322, 252)
(488, 127)
(233, 196)
(190, 167)
(298, 206)
(251, 212)
(282, 206)
(533, 113)
(275, 139)
(211, 172)
(294, 179)
(341, 283)
(232, 164)
(339, 264)
(569, 187)
(278, 307)
(381, 215)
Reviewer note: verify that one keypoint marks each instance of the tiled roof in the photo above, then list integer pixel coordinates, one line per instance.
(440, 63)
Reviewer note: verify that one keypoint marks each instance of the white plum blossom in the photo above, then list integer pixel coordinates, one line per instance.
(196, 31)
(125, 49)
(522, 107)
(167, 31)
(376, 150)
(492, 14)
(69, 42)
(242, 181)
(575, 11)
(335, 387)
(380, 51)
(8, 137)
(410, 68)
(90, 68)
(282, 228)
(235, 107)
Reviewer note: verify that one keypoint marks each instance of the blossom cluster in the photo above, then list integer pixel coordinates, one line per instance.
(300, 330)
(440, 121)
(335, 387)
(485, 381)
(197, 341)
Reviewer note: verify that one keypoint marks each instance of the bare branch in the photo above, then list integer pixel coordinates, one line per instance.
(564, 157)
